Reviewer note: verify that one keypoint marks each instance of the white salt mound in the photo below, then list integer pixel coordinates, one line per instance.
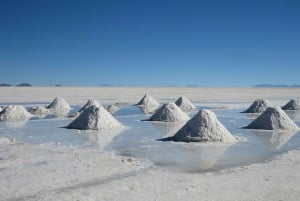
(204, 127)
(95, 118)
(148, 104)
(185, 104)
(169, 113)
(4, 140)
(112, 109)
(14, 113)
(58, 104)
(292, 105)
(258, 106)
(88, 104)
(38, 110)
(271, 119)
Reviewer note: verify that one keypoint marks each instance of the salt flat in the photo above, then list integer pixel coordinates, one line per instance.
(58, 172)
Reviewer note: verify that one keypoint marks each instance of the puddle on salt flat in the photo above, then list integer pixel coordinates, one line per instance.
(139, 140)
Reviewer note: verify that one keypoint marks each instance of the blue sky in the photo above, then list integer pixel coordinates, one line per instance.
(150, 42)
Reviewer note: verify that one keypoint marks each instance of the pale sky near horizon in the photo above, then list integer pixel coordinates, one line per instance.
(150, 42)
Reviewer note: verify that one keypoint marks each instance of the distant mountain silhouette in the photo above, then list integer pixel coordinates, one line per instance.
(276, 85)
(24, 85)
(5, 85)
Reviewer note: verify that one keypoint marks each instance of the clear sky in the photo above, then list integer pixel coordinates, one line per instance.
(150, 42)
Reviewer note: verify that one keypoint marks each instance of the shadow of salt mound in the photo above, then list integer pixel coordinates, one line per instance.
(99, 138)
(188, 157)
(167, 128)
(294, 115)
(275, 139)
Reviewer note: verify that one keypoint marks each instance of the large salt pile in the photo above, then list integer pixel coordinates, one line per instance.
(169, 113)
(258, 106)
(292, 105)
(14, 113)
(112, 109)
(39, 110)
(185, 104)
(59, 106)
(271, 119)
(203, 127)
(148, 104)
(95, 118)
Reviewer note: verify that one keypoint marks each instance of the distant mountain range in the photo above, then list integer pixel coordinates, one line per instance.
(277, 85)
(18, 85)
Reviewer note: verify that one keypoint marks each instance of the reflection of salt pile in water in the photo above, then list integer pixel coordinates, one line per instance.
(95, 118)
(167, 128)
(204, 127)
(39, 110)
(14, 113)
(59, 106)
(292, 105)
(271, 119)
(185, 104)
(258, 106)
(148, 104)
(169, 113)
(112, 108)
(276, 139)
(1, 108)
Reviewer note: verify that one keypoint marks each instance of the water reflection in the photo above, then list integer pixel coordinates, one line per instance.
(167, 128)
(294, 115)
(274, 139)
(17, 124)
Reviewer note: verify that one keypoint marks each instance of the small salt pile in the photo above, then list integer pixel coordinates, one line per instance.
(148, 104)
(39, 110)
(292, 105)
(258, 106)
(14, 113)
(95, 118)
(112, 108)
(59, 106)
(204, 127)
(169, 113)
(185, 104)
(271, 119)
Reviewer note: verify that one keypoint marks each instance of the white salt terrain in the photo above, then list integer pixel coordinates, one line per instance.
(292, 105)
(39, 111)
(14, 113)
(258, 106)
(112, 108)
(59, 106)
(148, 104)
(185, 104)
(45, 171)
(169, 113)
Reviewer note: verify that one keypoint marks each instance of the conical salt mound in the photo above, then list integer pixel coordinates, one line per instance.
(14, 113)
(185, 104)
(88, 104)
(58, 104)
(112, 109)
(39, 110)
(95, 118)
(169, 113)
(148, 104)
(271, 119)
(258, 106)
(292, 105)
(204, 127)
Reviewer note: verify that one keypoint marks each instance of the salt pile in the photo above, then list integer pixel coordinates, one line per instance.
(271, 119)
(39, 110)
(112, 109)
(148, 104)
(169, 113)
(292, 105)
(59, 105)
(185, 104)
(258, 106)
(95, 118)
(88, 104)
(204, 127)
(14, 113)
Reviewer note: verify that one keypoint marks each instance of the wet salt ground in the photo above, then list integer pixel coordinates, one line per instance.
(139, 140)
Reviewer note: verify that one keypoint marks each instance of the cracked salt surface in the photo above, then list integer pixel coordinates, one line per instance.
(139, 140)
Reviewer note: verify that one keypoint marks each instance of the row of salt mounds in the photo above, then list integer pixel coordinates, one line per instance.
(59, 105)
(258, 106)
(292, 105)
(39, 110)
(14, 113)
(169, 113)
(148, 104)
(203, 127)
(185, 104)
(95, 118)
(89, 103)
(112, 108)
(271, 119)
